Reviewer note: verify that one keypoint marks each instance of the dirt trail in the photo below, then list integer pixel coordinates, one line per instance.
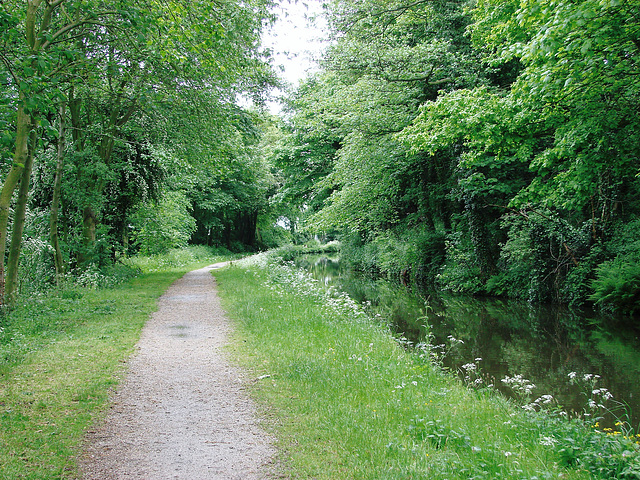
(181, 412)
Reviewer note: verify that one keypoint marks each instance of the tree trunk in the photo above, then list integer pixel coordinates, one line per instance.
(88, 235)
(20, 159)
(480, 238)
(18, 223)
(55, 201)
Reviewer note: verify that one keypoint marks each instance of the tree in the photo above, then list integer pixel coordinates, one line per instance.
(387, 59)
(159, 228)
(111, 63)
(39, 51)
(502, 134)
(552, 145)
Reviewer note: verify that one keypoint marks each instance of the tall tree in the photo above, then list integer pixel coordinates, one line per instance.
(39, 53)
(111, 61)
(553, 145)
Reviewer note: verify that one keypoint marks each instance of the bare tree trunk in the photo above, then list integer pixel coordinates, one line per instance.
(89, 223)
(55, 201)
(18, 223)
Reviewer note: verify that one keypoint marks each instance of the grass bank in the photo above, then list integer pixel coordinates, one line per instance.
(60, 355)
(347, 402)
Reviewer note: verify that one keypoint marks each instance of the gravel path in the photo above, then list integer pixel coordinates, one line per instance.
(181, 412)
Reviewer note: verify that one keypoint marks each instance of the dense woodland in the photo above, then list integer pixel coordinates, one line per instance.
(121, 131)
(488, 146)
(485, 147)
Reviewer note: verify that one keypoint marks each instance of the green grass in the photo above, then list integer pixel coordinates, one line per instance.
(340, 394)
(60, 356)
(347, 402)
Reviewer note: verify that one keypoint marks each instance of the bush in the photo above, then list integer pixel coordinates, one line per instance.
(545, 258)
(616, 287)
(36, 272)
(274, 237)
(460, 273)
(414, 255)
(361, 256)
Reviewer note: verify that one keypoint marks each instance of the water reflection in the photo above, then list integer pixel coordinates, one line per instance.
(542, 343)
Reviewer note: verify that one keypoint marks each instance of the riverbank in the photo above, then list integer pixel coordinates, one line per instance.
(348, 402)
(547, 344)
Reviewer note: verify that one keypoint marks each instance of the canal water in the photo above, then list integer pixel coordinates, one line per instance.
(544, 344)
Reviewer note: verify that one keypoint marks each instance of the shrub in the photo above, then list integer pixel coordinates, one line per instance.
(616, 287)
(414, 254)
(460, 273)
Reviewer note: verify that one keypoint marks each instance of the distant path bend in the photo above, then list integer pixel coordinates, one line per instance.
(182, 411)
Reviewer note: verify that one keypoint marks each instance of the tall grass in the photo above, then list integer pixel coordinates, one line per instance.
(349, 402)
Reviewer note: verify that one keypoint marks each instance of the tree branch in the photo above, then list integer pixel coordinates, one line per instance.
(7, 64)
(78, 23)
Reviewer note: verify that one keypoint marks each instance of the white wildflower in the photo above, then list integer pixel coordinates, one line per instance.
(548, 441)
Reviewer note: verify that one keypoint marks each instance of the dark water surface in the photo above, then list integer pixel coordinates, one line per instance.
(543, 343)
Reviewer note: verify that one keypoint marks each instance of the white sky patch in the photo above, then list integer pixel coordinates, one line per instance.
(296, 38)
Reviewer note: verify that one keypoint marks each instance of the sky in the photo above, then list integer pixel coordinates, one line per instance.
(296, 38)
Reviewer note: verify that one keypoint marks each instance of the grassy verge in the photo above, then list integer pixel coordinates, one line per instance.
(349, 403)
(60, 354)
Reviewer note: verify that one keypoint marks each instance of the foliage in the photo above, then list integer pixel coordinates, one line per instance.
(180, 259)
(110, 94)
(507, 128)
(157, 229)
(413, 255)
(616, 285)
(460, 272)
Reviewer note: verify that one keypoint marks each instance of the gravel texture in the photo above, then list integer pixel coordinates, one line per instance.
(182, 411)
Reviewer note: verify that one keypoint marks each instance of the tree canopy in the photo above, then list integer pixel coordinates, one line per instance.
(106, 104)
(485, 146)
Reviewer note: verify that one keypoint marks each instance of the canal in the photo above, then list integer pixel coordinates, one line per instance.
(565, 353)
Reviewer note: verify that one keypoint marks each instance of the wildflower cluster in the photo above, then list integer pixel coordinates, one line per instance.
(622, 430)
(520, 385)
(599, 400)
(471, 375)
(285, 276)
(544, 402)
(342, 304)
(91, 277)
(441, 351)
